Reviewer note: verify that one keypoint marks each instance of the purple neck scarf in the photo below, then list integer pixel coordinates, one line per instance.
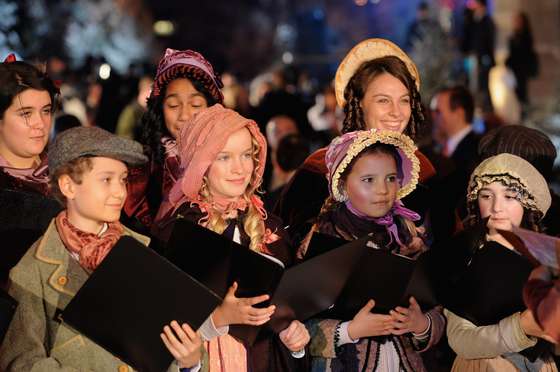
(388, 221)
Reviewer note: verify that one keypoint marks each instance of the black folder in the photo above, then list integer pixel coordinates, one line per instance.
(491, 287)
(130, 297)
(7, 309)
(217, 262)
(313, 286)
(390, 280)
(322, 243)
(539, 248)
(387, 278)
(298, 292)
(24, 217)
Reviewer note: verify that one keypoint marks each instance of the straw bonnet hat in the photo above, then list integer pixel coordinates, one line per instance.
(511, 170)
(368, 50)
(346, 147)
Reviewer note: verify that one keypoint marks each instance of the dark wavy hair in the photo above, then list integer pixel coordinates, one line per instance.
(356, 88)
(531, 219)
(18, 76)
(153, 126)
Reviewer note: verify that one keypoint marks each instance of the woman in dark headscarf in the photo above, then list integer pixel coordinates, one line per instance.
(185, 83)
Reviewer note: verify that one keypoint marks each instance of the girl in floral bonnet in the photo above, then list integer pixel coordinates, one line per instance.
(368, 173)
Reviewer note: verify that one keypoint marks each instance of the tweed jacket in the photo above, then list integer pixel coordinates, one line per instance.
(43, 281)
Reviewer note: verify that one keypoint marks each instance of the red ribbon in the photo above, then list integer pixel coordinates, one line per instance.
(10, 58)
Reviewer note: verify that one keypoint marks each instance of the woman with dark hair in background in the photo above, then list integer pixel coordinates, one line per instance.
(185, 83)
(522, 56)
(27, 102)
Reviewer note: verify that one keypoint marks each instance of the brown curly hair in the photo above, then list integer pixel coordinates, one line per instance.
(75, 169)
(357, 86)
(531, 220)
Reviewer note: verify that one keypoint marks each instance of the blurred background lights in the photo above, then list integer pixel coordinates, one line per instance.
(105, 71)
(287, 58)
(164, 28)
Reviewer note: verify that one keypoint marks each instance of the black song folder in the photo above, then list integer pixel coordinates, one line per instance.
(387, 278)
(390, 280)
(313, 286)
(130, 297)
(539, 248)
(298, 292)
(217, 261)
(491, 287)
(24, 217)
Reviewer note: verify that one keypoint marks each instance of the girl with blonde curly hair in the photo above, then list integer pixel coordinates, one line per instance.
(222, 159)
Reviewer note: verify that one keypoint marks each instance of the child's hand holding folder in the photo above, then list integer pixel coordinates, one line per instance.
(368, 324)
(410, 319)
(183, 343)
(235, 310)
(295, 337)
(530, 326)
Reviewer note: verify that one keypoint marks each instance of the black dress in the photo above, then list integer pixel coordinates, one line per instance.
(268, 353)
(25, 214)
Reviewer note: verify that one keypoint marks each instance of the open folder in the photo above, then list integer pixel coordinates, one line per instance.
(387, 278)
(539, 248)
(314, 285)
(491, 286)
(130, 297)
(24, 217)
(298, 292)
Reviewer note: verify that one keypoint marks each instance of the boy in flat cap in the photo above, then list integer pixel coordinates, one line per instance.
(88, 176)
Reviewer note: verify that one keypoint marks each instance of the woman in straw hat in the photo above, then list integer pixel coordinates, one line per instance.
(489, 326)
(377, 85)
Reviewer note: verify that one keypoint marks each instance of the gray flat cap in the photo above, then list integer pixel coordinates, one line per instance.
(93, 141)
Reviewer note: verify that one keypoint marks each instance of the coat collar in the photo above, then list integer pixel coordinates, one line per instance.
(68, 276)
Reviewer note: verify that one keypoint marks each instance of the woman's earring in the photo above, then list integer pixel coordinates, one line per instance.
(204, 186)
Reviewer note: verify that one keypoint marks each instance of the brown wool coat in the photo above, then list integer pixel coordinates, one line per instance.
(45, 279)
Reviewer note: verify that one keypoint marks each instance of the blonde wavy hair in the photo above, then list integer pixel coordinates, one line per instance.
(253, 223)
